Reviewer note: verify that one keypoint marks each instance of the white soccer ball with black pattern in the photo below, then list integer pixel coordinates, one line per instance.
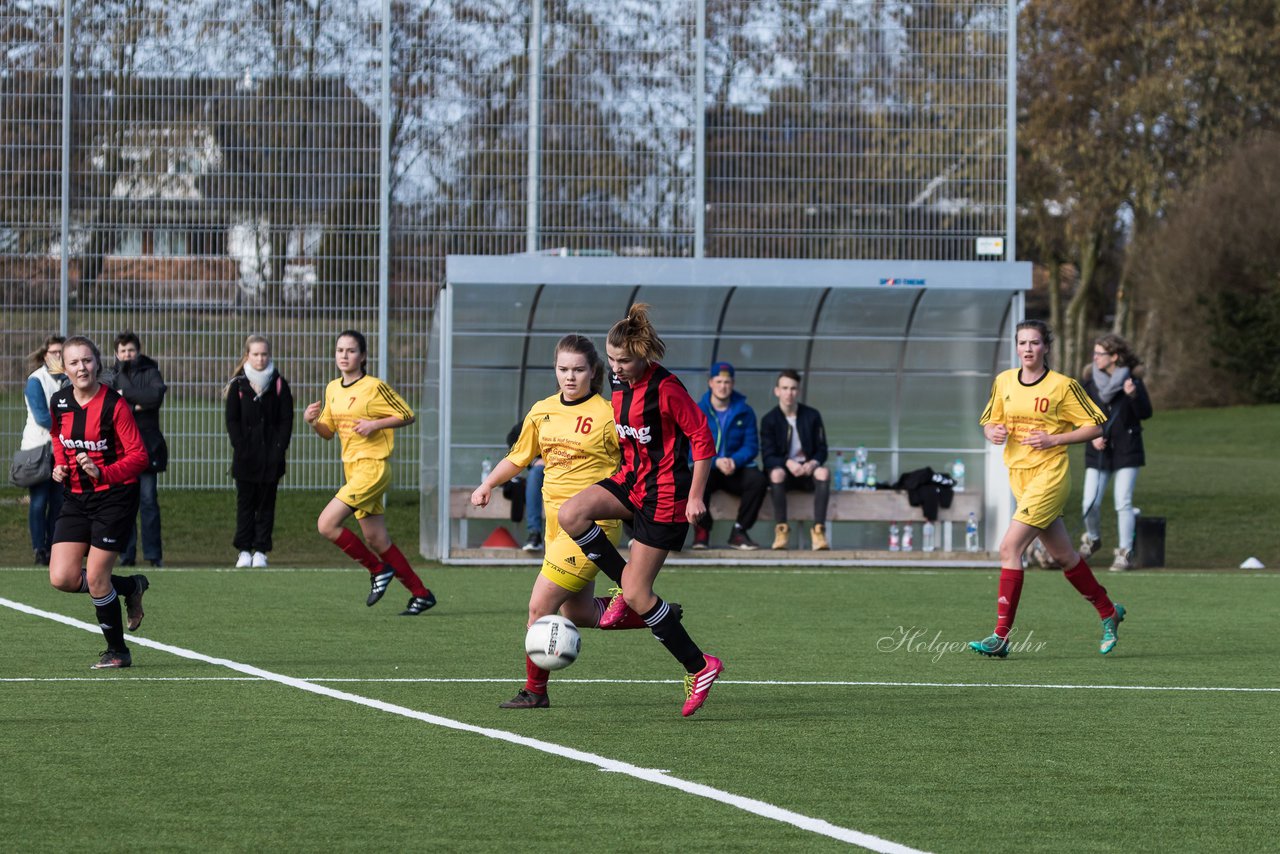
(552, 642)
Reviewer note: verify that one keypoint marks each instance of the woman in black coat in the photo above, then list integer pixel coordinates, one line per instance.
(1114, 383)
(260, 424)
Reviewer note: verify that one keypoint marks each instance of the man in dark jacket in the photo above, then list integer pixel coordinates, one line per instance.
(733, 426)
(793, 444)
(137, 378)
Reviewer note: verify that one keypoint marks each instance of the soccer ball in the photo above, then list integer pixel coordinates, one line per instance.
(552, 642)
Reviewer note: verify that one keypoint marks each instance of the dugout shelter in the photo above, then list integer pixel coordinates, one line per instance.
(897, 355)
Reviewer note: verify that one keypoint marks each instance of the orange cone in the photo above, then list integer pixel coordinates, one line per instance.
(500, 539)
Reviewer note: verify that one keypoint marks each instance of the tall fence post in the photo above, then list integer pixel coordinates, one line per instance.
(64, 225)
(700, 134)
(384, 198)
(535, 125)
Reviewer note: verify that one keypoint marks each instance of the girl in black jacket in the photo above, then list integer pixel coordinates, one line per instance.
(259, 424)
(1113, 383)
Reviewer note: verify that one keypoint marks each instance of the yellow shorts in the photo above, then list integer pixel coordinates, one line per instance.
(367, 482)
(564, 563)
(1041, 492)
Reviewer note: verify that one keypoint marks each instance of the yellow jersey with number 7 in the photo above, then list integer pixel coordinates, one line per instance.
(367, 399)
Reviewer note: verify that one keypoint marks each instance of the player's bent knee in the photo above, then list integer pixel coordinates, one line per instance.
(66, 585)
(571, 520)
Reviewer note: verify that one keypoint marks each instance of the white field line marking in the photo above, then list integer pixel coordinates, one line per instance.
(651, 775)
(1227, 689)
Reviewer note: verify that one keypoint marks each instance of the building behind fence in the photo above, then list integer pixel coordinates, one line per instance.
(198, 172)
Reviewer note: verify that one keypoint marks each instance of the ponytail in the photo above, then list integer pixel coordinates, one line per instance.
(635, 335)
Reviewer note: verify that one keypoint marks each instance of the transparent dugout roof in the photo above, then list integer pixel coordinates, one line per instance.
(897, 356)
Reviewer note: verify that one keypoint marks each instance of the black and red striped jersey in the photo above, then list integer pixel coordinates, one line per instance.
(105, 430)
(658, 424)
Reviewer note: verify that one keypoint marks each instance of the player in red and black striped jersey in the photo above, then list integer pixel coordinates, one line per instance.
(659, 429)
(97, 457)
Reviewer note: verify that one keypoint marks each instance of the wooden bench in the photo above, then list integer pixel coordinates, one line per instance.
(881, 505)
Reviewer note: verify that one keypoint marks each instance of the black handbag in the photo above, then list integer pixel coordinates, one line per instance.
(32, 466)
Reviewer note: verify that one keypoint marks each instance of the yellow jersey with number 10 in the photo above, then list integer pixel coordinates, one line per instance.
(1054, 403)
(367, 399)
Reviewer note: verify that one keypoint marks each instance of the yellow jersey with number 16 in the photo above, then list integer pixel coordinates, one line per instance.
(1054, 403)
(576, 440)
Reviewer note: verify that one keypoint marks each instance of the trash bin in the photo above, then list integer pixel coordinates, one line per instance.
(1148, 542)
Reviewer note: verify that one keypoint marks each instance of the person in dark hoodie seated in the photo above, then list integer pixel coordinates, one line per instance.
(138, 380)
(733, 469)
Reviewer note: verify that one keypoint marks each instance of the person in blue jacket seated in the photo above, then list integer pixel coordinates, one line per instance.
(733, 427)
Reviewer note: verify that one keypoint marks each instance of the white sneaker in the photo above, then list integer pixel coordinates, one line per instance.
(243, 560)
(259, 559)
(1123, 560)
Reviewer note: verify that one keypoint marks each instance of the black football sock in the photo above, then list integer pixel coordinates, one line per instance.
(821, 497)
(778, 496)
(108, 608)
(595, 544)
(664, 622)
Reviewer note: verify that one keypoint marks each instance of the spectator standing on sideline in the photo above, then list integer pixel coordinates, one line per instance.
(259, 415)
(137, 378)
(97, 457)
(534, 521)
(793, 444)
(46, 498)
(733, 469)
(1112, 381)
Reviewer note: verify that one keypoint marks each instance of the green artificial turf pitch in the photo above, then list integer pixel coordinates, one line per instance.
(848, 699)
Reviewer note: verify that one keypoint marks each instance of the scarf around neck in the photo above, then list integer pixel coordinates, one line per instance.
(1109, 385)
(260, 380)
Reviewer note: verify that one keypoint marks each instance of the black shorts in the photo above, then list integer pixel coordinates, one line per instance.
(669, 536)
(103, 519)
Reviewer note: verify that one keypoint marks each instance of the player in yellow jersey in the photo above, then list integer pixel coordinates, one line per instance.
(362, 411)
(573, 431)
(1035, 413)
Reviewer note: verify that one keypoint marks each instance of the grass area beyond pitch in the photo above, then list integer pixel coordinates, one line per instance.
(1210, 473)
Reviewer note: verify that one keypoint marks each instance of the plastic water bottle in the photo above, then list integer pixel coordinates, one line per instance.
(859, 475)
(957, 474)
(848, 477)
(927, 534)
(971, 534)
(838, 474)
(908, 539)
(486, 466)
(860, 455)
(895, 544)
(871, 475)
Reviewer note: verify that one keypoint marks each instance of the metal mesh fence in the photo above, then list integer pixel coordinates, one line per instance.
(197, 172)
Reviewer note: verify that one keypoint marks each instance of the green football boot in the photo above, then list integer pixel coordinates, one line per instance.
(992, 647)
(1109, 627)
